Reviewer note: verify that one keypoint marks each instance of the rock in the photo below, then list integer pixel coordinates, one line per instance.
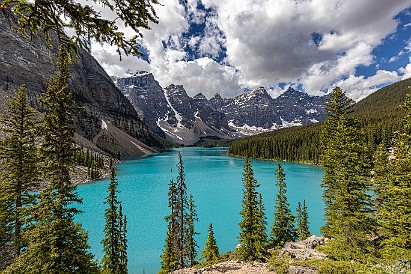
(32, 62)
(171, 112)
(301, 270)
(247, 114)
(305, 250)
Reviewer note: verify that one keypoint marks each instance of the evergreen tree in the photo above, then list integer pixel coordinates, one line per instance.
(169, 260)
(55, 243)
(282, 229)
(191, 243)
(180, 249)
(393, 189)
(18, 174)
(114, 242)
(346, 183)
(251, 238)
(86, 21)
(181, 215)
(263, 220)
(210, 252)
(302, 230)
(123, 241)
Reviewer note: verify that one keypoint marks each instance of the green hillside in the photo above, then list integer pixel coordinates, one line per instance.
(380, 114)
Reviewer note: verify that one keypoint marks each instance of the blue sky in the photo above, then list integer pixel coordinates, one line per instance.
(231, 46)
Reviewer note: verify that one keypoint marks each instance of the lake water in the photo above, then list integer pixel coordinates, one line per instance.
(213, 178)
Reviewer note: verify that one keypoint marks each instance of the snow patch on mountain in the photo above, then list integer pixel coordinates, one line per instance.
(176, 114)
(311, 111)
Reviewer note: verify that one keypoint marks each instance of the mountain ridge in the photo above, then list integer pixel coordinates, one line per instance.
(32, 63)
(185, 120)
(380, 115)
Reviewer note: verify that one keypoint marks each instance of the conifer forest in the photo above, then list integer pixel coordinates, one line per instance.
(53, 140)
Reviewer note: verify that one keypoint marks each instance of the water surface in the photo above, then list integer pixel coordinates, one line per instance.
(213, 178)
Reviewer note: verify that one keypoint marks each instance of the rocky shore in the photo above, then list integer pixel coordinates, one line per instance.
(296, 251)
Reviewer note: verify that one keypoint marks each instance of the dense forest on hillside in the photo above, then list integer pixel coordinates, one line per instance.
(380, 115)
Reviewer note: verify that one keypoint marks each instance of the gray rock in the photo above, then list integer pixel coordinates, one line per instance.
(304, 250)
(32, 62)
(171, 112)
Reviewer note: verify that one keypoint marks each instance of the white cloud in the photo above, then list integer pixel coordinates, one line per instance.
(202, 75)
(359, 87)
(108, 58)
(267, 42)
(406, 71)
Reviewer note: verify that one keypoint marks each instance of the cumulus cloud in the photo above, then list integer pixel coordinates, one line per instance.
(359, 87)
(406, 71)
(316, 44)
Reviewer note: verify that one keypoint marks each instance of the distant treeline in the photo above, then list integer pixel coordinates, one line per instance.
(380, 115)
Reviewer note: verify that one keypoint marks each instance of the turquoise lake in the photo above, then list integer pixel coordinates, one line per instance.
(215, 181)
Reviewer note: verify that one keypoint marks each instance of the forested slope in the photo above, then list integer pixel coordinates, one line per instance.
(380, 114)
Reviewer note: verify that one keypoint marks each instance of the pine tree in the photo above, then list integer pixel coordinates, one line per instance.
(181, 207)
(18, 174)
(180, 249)
(393, 189)
(210, 252)
(55, 243)
(252, 241)
(302, 230)
(191, 243)
(282, 230)
(115, 241)
(123, 241)
(168, 258)
(262, 227)
(346, 183)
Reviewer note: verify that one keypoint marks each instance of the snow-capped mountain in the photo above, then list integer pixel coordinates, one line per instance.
(175, 115)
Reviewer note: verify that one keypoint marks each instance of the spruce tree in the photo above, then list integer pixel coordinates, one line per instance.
(251, 239)
(123, 241)
(393, 189)
(262, 226)
(180, 225)
(180, 249)
(210, 253)
(302, 230)
(346, 161)
(55, 243)
(115, 241)
(169, 260)
(282, 230)
(191, 243)
(18, 174)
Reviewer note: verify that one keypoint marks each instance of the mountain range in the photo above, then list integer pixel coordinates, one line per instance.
(107, 120)
(174, 115)
(380, 115)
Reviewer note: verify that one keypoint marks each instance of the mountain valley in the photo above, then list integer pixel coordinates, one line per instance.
(173, 114)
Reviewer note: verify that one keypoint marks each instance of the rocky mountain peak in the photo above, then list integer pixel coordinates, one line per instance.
(217, 96)
(258, 95)
(200, 96)
(185, 119)
(176, 91)
(259, 90)
(292, 93)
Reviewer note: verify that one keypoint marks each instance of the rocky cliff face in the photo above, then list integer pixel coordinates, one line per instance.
(31, 62)
(171, 112)
(184, 119)
(257, 111)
